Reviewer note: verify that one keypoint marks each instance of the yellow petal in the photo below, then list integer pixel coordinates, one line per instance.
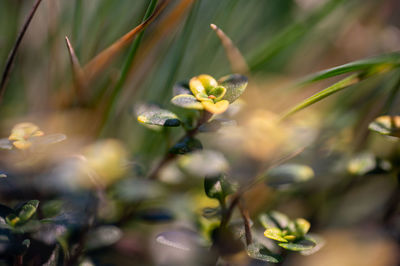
(22, 144)
(207, 81)
(24, 130)
(216, 108)
(198, 90)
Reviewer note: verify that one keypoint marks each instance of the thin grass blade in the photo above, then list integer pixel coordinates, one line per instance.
(11, 57)
(385, 61)
(236, 59)
(338, 86)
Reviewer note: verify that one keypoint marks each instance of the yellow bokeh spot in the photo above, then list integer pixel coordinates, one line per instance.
(22, 133)
(105, 163)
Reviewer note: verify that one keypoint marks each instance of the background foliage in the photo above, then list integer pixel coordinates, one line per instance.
(351, 200)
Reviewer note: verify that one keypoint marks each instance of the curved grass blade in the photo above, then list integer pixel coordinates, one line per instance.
(104, 58)
(385, 62)
(236, 59)
(11, 57)
(338, 86)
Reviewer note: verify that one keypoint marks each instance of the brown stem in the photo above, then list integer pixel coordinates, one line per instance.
(246, 220)
(227, 216)
(169, 156)
(13, 52)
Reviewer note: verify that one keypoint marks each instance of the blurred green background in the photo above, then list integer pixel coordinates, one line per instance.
(282, 41)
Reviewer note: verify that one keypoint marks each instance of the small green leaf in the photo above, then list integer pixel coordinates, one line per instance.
(275, 234)
(154, 115)
(274, 219)
(203, 163)
(181, 88)
(188, 144)
(259, 252)
(319, 243)
(287, 174)
(28, 210)
(386, 125)
(217, 187)
(362, 164)
(182, 239)
(217, 92)
(302, 226)
(103, 236)
(235, 85)
(299, 245)
(187, 101)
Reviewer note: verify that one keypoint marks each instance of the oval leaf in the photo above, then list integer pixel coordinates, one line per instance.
(28, 210)
(259, 252)
(187, 101)
(154, 115)
(275, 234)
(103, 236)
(386, 125)
(300, 245)
(319, 243)
(203, 163)
(182, 239)
(287, 174)
(181, 88)
(235, 85)
(274, 219)
(302, 226)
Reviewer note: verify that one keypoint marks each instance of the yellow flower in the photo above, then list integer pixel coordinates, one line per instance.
(206, 90)
(22, 133)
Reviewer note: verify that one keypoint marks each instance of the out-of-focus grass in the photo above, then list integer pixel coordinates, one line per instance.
(281, 40)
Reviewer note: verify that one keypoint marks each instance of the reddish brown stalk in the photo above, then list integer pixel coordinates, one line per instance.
(98, 63)
(236, 59)
(246, 220)
(11, 57)
(76, 70)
